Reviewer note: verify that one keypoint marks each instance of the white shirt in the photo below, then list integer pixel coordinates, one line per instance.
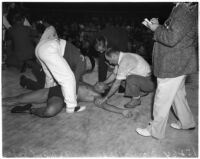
(131, 64)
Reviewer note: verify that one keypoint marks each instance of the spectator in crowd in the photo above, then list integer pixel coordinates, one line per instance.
(6, 23)
(110, 37)
(88, 50)
(34, 64)
(174, 57)
(22, 45)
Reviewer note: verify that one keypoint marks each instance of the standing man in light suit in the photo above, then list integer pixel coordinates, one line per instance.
(174, 57)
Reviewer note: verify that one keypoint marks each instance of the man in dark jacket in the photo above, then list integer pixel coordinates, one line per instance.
(174, 57)
(21, 38)
(110, 37)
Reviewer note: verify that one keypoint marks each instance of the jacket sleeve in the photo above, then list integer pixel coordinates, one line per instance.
(176, 31)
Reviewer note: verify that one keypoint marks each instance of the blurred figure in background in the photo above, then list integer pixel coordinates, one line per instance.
(110, 37)
(21, 38)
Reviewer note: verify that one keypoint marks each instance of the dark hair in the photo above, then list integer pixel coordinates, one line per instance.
(19, 17)
(111, 51)
(40, 28)
(100, 39)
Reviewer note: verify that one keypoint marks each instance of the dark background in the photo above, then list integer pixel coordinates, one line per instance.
(135, 10)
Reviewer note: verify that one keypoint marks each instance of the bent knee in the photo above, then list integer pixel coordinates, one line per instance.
(52, 111)
(131, 80)
(54, 106)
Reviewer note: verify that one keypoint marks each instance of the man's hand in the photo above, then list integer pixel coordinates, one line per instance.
(100, 87)
(100, 100)
(127, 113)
(152, 24)
(154, 21)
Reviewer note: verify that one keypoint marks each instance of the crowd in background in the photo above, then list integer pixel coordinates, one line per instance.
(174, 58)
(80, 29)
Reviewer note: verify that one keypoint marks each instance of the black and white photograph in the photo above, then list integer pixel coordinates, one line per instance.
(100, 79)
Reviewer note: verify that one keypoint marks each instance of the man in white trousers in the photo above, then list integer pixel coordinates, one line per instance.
(174, 57)
(63, 64)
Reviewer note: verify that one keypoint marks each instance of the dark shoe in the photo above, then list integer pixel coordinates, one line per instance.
(133, 103)
(22, 109)
(191, 128)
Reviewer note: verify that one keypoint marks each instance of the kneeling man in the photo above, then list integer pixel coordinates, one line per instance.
(134, 70)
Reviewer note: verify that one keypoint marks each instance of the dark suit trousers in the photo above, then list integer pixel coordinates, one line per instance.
(103, 68)
(136, 84)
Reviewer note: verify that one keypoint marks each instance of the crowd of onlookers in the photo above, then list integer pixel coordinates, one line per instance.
(80, 31)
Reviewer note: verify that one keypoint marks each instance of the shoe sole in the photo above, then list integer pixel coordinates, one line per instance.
(138, 131)
(192, 128)
(77, 109)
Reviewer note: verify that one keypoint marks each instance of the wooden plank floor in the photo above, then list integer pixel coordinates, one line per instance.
(94, 132)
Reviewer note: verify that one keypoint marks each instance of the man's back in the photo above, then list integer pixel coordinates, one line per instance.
(131, 64)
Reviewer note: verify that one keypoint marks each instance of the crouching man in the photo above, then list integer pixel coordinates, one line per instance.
(63, 65)
(134, 70)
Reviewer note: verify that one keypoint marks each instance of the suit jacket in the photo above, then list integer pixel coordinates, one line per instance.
(174, 52)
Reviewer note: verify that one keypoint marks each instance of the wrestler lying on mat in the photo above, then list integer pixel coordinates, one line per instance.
(55, 104)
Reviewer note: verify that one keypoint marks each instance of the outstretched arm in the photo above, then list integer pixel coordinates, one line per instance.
(113, 89)
(114, 109)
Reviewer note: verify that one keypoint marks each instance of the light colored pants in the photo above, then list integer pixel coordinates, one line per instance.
(50, 54)
(170, 91)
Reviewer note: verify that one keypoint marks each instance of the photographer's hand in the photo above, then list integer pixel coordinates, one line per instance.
(154, 21)
(152, 26)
